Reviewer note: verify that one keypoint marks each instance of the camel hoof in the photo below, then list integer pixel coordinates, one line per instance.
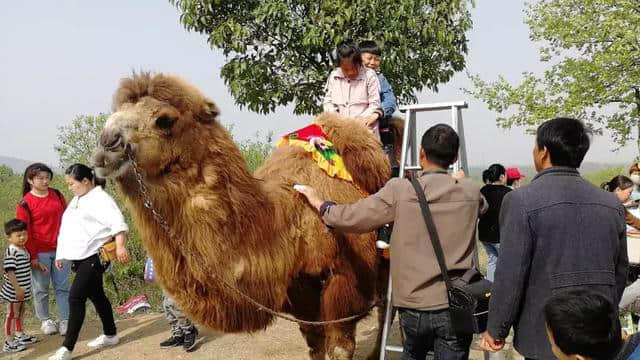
(339, 353)
(316, 355)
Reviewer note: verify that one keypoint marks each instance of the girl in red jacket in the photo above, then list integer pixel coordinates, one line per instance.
(41, 208)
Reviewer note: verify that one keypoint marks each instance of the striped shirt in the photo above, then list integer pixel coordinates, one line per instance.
(18, 261)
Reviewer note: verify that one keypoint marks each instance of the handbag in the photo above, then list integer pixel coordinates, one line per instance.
(107, 252)
(468, 294)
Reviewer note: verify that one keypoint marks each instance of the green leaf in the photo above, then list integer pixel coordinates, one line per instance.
(594, 49)
(297, 39)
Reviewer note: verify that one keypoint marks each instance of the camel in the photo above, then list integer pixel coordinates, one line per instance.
(228, 231)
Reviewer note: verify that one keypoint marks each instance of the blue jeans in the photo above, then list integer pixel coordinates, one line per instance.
(431, 330)
(492, 254)
(60, 280)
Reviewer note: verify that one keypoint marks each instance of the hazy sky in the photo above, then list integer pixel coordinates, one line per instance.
(59, 59)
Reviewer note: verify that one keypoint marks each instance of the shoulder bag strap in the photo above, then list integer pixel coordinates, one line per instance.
(433, 233)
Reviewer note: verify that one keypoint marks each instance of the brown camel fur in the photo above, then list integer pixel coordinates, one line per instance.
(254, 233)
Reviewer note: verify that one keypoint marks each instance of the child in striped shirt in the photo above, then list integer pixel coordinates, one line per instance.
(16, 287)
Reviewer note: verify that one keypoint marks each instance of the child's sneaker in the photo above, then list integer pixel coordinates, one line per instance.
(384, 237)
(61, 354)
(382, 245)
(172, 342)
(190, 340)
(12, 346)
(104, 340)
(25, 339)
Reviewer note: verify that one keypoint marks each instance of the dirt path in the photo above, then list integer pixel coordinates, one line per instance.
(140, 336)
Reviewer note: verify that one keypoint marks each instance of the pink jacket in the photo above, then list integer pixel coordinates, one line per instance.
(352, 98)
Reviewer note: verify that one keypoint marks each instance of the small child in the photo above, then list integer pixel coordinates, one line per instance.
(16, 287)
(583, 325)
(371, 55)
(352, 89)
(183, 332)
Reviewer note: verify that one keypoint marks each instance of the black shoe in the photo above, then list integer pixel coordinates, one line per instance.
(172, 342)
(189, 343)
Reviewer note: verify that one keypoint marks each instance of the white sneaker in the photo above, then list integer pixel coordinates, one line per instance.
(62, 327)
(49, 327)
(62, 354)
(104, 340)
(382, 245)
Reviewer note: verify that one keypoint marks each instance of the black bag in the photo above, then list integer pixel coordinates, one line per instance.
(468, 294)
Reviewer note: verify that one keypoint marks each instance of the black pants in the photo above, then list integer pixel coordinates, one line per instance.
(88, 285)
(431, 330)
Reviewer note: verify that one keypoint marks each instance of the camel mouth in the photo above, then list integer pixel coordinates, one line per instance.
(111, 162)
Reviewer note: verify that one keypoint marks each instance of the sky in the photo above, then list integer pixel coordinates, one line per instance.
(60, 59)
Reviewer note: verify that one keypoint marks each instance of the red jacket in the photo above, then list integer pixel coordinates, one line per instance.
(43, 219)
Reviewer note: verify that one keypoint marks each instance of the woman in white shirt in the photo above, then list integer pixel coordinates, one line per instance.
(91, 219)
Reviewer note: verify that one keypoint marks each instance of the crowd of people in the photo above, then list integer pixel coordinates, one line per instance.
(48, 239)
(557, 247)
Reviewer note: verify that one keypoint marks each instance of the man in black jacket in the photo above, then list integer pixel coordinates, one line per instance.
(557, 234)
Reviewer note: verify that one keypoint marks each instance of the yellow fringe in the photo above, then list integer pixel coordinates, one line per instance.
(338, 169)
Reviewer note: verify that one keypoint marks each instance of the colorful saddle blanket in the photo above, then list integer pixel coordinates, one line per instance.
(314, 141)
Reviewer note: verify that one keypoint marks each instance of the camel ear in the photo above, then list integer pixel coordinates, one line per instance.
(208, 113)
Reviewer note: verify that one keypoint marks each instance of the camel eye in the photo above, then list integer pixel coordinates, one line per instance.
(165, 122)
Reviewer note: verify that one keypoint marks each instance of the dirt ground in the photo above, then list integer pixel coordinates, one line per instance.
(141, 334)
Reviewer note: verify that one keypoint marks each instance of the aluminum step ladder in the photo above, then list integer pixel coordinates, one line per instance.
(410, 150)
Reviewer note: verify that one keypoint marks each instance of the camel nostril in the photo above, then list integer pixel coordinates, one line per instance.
(110, 141)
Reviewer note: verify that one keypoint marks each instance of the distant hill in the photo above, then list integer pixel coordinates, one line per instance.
(15, 164)
(18, 165)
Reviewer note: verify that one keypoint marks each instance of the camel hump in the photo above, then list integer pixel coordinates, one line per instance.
(360, 150)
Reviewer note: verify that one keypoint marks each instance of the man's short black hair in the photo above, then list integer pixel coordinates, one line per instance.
(440, 144)
(566, 139)
(584, 323)
(348, 50)
(371, 47)
(14, 225)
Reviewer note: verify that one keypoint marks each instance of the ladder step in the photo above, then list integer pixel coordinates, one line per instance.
(393, 348)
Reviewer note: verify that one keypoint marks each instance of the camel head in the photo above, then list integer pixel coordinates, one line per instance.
(161, 119)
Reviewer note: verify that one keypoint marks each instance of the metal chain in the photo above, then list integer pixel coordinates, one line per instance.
(160, 220)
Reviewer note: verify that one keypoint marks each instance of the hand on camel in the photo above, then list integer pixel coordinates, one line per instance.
(310, 194)
(371, 119)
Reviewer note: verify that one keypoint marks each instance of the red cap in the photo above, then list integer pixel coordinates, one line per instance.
(514, 174)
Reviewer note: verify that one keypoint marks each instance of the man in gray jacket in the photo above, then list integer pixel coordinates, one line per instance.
(418, 289)
(557, 234)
